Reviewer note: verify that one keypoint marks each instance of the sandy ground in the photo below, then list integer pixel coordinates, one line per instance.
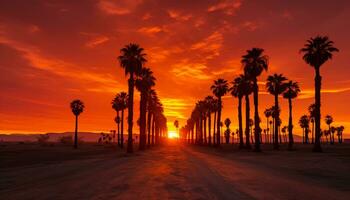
(174, 171)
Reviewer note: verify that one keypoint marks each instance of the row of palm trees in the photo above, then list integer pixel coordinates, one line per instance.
(152, 122)
(316, 52)
(304, 123)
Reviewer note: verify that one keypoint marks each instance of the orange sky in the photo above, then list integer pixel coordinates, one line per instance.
(54, 51)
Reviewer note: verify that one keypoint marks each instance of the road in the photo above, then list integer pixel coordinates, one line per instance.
(175, 171)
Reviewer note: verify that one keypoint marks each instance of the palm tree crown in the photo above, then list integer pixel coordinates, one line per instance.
(132, 58)
(241, 86)
(318, 50)
(276, 84)
(292, 90)
(77, 107)
(304, 121)
(145, 80)
(220, 87)
(328, 119)
(254, 62)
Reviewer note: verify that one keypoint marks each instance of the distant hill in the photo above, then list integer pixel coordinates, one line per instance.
(86, 136)
(17, 137)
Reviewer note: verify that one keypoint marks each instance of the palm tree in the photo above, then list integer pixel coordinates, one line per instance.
(242, 86)
(251, 123)
(284, 130)
(120, 103)
(316, 52)
(340, 130)
(77, 108)
(132, 60)
(144, 82)
(276, 85)
(176, 124)
(219, 89)
(204, 112)
(117, 121)
(267, 114)
(304, 124)
(312, 113)
(116, 105)
(254, 63)
(227, 132)
(124, 100)
(292, 91)
(210, 105)
(158, 123)
(152, 101)
(215, 110)
(329, 120)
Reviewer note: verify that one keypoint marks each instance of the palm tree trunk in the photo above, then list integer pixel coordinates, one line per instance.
(247, 119)
(273, 130)
(257, 129)
(275, 144)
(143, 107)
(200, 130)
(205, 130)
(218, 123)
(214, 130)
(153, 128)
(130, 112)
(192, 135)
(122, 130)
(317, 146)
(149, 117)
(209, 128)
(240, 126)
(290, 126)
(313, 132)
(118, 127)
(76, 132)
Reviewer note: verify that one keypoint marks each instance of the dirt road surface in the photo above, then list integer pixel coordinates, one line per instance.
(175, 171)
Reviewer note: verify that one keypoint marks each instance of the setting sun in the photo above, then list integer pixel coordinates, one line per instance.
(173, 134)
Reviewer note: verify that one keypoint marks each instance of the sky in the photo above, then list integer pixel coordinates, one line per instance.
(52, 52)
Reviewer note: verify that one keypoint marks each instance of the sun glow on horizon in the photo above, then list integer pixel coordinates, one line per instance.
(173, 135)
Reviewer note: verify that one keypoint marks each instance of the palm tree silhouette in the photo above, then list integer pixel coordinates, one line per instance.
(144, 82)
(120, 103)
(215, 110)
(267, 114)
(176, 124)
(158, 123)
(251, 124)
(219, 89)
(276, 85)
(204, 112)
(329, 120)
(292, 91)
(316, 52)
(116, 105)
(77, 108)
(254, 63)
(132, 60)
(340, 130)
(153, 102)
(228, 131)
(312, 113)
(209, 100)
(242, 86)
(304, 124)
(117, 121)
(124, 101)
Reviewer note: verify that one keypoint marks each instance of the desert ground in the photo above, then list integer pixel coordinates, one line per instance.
(172, 171)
